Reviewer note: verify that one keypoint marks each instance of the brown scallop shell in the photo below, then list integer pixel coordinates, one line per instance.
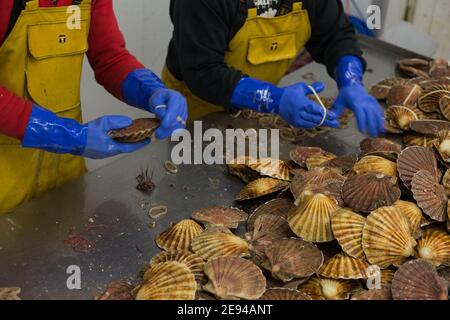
(429, 127)
(342, 164)
(10, 293)
(179, 236)
(317, 160)
(347, 228)
(444, 106)
(218, 244)
(419, 140)
(168, 281)
(278, 207)
(234, 278)
(239, 168)
(342, 266)
(404, 95)
(220, 216)
(430, 195)
(414, 215)
(283, 294)
(117, 290)
(381, 90)
(418, 280)
(414, 67)
(402, 116)
(429, 101)
(446, 182)
(140, 129)
(372, 145)
(311, 220)
(434, 246)
(300, 154)
(370, 191)
(194, 262)
(377, 165)
(273, 224)
(273, 168)
(413, 159)
(328, 289)
(330, 188)
(375, 295)
(387, 237)
(260, 188)
(443, 145)
(292, 258)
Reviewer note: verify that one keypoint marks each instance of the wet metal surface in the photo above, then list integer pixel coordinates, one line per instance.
(107, 218)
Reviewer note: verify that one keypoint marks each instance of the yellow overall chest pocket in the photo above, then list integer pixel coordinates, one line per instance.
(55, 61)
(272, 49)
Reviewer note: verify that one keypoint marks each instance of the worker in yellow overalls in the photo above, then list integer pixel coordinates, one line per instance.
(233, 53)
(43, 142)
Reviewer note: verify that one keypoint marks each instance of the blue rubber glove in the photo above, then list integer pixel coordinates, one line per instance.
(46, 131)
(291, 103)
(353, 95)
(143, 89)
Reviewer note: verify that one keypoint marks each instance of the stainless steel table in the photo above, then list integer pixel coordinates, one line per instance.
(106, 209)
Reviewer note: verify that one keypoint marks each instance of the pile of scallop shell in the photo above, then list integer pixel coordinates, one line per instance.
(367, 226)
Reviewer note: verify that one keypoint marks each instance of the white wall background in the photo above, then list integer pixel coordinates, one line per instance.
(147, 29)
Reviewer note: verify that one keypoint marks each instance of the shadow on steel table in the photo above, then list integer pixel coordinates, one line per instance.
(100, 222)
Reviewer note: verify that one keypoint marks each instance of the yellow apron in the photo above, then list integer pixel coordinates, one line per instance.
(264, 48)
(41, 60)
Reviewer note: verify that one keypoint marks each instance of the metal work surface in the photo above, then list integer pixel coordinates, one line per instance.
(105, 209)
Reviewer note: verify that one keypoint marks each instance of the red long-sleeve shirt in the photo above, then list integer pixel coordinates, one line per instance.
(107, 55)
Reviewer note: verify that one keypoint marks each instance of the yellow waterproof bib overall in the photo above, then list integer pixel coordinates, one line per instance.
(41, 60)
(264, 48)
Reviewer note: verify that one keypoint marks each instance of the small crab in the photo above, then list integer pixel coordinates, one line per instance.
(145, 181)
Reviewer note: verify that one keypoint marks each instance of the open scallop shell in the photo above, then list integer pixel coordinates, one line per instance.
(429, 127)
(342, 266)
(387, 237)
(139, 130)
(311, 220)
(292, 258)
(301, 154)
(283, 294)
(217, 244)
(260, 188)
(328, 289)
(220, 216)
(434, 246)
(376, 164)
(444, 105)
(179, 236)
(347, 228)
(194, 262)
(273, 168)
(234, 278)
(370, 191)
(419, 140)
(429, 101)
(418, 280)
(381, 90)
(369, 146)
(413, 159)
(414, 215)
(168, 281)
(430, 195)
(376, 295)
(401, 117)
(414, 67)
(278, 207)
(317, 160)
(404, 95)
(239, 168)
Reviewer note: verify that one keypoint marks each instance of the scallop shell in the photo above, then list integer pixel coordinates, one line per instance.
(282, 294)
(317, 160)
(217, 244)
(381, 90)
(376, 145)
(330, 188)
(404, 95)
(418, 280)
(301, 154)
(370, 191)
(413, 159)
(311, 220)
(429, 101)
(347, 228)
(259, 242)
(414, 215)
(278, 207)
(443, 145)
(117, 290)
(292, 258)
(273, 168)
(387, 237)
(10, 293)
(194, 262)
(273, 224)
(414, 67)
(401, 117)
(419, 140)
(327, 289)
(376, 164)
(376, 295)
(168, 281)
(444, 106)
(234, 278)
(342, 266)
(342, 164)
(429, 127)
(430, 195)
(239, 168)
(316, 176)
(139, 130)
(260, 188)
(179, 236)
(446, 182)
(434, 246)
(220, 216)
